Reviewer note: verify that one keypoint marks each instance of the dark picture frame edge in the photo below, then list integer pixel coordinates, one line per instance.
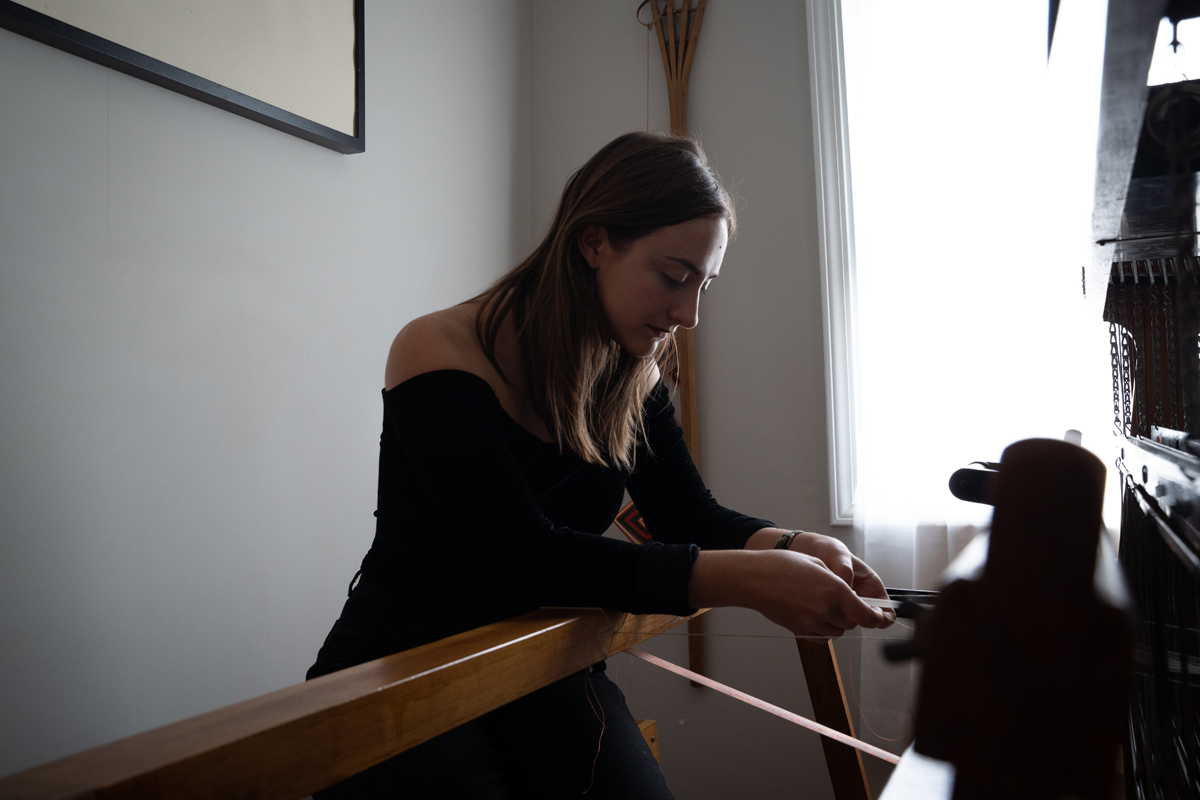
(55, 33)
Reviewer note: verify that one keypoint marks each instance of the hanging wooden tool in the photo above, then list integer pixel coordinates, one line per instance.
(678, 32)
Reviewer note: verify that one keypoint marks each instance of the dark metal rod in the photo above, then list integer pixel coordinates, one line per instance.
(1147, 236)
(1180, 548)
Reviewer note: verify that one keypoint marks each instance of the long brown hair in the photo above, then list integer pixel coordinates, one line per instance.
(585, 387)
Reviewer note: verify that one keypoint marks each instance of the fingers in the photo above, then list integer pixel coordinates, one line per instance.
(858, 612)
(835, 555)
(871, 587)
(808, 593)
(843, 570)
(843, 609)
(866, 582)
(839, 561)
(829, 631)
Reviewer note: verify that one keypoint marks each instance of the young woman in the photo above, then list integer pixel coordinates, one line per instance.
(513, 424)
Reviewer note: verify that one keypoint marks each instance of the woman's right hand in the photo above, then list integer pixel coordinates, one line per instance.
(795, 590)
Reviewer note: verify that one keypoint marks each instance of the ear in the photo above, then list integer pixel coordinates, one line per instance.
(593, 241)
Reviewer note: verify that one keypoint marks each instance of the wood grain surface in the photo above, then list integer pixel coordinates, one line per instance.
(677, 55)
(828, 696)
(649, 729)
(297, 740)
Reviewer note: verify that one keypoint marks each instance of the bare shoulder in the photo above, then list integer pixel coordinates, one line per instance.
(442, 340)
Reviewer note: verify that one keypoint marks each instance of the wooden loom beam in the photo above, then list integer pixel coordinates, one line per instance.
(286, 744)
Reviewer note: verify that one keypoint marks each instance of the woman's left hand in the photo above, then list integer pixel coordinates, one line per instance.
(853, 570)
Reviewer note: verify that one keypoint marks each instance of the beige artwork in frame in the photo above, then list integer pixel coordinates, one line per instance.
(294, 65)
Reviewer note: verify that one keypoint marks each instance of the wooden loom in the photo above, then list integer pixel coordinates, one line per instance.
(295, 741)
(1143, 280)
(292, 742)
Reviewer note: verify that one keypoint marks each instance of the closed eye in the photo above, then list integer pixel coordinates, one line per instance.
(679, 282)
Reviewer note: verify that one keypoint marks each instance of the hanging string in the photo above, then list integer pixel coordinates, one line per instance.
(862, 635)
(748, 699)
(589, 692)
(900, 630)
(648, 26)
(817, 727)
(862, 714)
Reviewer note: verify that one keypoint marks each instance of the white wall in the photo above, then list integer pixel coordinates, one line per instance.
(194, 315)
(761, 379)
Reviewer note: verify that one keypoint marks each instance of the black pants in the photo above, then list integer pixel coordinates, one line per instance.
(547, 744)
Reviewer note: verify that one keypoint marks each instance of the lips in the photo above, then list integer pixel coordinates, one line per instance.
(659, 333)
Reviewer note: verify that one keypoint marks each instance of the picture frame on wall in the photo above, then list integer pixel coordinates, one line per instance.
(293, 65)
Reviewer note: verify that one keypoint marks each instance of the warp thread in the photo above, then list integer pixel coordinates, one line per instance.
(803, 722)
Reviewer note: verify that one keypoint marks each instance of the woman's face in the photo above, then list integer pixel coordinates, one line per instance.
(653, 285)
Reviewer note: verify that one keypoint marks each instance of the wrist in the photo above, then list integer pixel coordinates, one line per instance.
(768, 538)
(804, 541)
(784, 542)
(725, 578)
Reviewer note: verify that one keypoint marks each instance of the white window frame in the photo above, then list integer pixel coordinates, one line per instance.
(835, 226)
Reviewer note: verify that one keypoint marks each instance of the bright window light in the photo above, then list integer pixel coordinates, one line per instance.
(973, 169)
(1171, 65)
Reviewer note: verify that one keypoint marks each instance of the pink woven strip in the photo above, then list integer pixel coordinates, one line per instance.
(837, 736)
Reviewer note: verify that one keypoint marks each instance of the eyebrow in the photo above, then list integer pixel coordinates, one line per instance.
(695, 270)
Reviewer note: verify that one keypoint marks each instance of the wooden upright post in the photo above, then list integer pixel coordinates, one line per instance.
(678, 32)
(828, 697)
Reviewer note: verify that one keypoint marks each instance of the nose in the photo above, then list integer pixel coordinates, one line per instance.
(686, 312)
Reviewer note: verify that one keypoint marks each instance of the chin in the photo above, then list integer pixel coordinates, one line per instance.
(641, 349)
(652, 348)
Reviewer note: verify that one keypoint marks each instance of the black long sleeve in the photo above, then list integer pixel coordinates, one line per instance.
(671, 496)
(480, 519)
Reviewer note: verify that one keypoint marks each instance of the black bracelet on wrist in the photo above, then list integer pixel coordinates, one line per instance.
(785, 541)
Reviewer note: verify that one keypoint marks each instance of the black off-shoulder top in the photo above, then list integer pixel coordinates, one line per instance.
(479, 520)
